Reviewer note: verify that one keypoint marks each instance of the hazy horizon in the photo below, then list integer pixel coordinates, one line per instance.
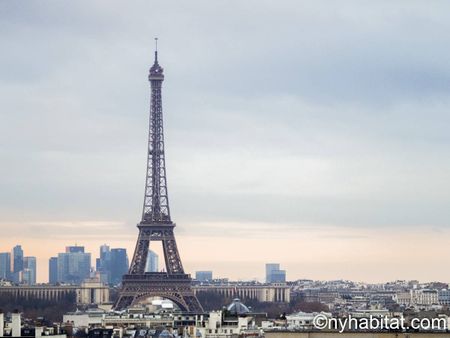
(312, 134)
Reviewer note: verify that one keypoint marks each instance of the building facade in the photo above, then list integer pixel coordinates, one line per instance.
(276, 293)
(5, 265)
(53, 270)
(29, 271)
(103, 264)
(16, 263)
(274, 274)
(89, 292)
(203, 276)
(74, 265)
(152, 262)
(424, 297)
(119, 265)
(92, 291)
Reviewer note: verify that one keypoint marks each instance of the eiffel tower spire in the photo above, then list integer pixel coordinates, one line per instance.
(156, 199)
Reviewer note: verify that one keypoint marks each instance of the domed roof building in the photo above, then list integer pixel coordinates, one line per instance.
(237, 308)
(165, 334)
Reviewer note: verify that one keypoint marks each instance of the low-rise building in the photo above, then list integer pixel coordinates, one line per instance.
(12, 327)
(424, 297)
(235, 320)
(275, 292)
(303, 320)
(89, 292)
(444, 297)
(403, 298)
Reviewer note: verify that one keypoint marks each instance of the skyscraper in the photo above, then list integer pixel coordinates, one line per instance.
(103, 264)
(17, 263)
(74, 265)
(270, 267)
(274, 274)
(119, 265)
(53, 270)
(203, 276)
(5, 265)
(152, 262)
(105, 254)
(29, 270)
(278, 276)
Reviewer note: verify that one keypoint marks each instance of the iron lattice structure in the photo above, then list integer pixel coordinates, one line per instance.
(156, 224)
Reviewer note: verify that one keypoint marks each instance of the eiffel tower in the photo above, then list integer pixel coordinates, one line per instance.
(156, 224)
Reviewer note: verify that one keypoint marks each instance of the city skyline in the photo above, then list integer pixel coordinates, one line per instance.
(314, 135)
(265, 269)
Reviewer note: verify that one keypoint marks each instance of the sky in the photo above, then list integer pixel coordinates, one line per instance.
(309, 133)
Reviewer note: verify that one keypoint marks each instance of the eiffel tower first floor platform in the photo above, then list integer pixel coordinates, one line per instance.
(175, 287)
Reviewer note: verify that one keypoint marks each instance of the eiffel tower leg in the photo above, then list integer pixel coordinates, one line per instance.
(123, 302)
(192, 303)
(140, 254)
(171, 256)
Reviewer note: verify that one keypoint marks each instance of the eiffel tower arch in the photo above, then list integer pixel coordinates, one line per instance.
(156, 224)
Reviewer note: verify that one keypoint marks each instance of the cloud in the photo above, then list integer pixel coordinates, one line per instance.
(309, 113)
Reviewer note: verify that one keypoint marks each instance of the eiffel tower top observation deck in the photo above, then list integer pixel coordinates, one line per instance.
(156, 200)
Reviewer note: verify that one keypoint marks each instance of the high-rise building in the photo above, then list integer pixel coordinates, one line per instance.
(105, 255)
(278, 276)
(274, 274)
(112, 264)
(119, 265)
(103, 264)
(203, 276)
(270, 267)
(74, 265)
(152, 262)
(17, 263)
(29, 270)
(5, 265)
(53, 270)
(26, 276)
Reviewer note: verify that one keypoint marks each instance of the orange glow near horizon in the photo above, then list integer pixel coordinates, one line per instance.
(324, 252)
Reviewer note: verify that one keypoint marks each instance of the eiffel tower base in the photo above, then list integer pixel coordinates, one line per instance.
(175, 287)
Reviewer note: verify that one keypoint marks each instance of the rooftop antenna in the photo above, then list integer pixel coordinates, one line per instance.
(156, 49)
